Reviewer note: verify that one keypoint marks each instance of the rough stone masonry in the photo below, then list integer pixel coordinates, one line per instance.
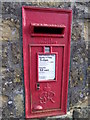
(11, 59)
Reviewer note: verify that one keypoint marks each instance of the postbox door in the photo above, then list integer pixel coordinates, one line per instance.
(46, 73)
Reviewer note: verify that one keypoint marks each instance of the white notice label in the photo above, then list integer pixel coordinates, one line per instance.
(46, 67)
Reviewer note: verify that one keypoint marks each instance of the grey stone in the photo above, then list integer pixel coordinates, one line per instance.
(12, 9)
(80, 10)
(78, 72)
(81, 113)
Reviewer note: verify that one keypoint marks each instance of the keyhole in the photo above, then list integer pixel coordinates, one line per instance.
(38, 86)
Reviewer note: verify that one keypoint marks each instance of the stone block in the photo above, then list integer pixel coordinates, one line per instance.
(63, 5)
(12, 10)
(9, 30)
(80, 10)
(81, 113)
(78, 88)
(77, 30)
(3, 100)
(18, 101)
(16, 52)
(4, 55)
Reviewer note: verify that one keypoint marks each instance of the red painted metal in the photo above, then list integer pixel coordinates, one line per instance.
(46, 27)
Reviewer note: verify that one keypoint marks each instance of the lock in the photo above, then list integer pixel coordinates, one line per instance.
(37, 86)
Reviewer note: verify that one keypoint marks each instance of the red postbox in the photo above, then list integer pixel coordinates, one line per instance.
(46, 55)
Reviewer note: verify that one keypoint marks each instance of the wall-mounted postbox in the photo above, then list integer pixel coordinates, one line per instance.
(46, 55)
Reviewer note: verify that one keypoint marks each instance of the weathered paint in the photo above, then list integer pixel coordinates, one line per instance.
(51, 96)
